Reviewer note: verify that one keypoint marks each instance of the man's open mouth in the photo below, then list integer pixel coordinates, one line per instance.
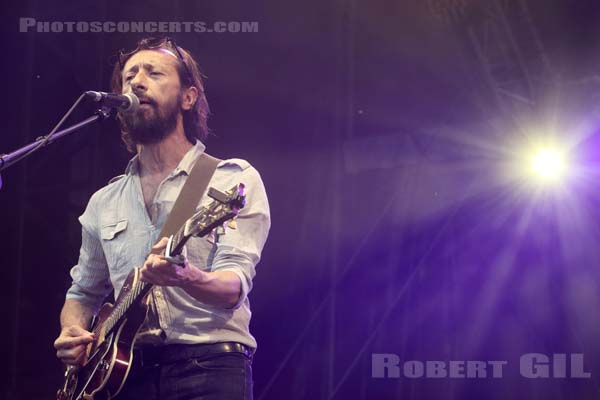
(145, 100)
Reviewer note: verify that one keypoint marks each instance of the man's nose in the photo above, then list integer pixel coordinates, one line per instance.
(138, 83)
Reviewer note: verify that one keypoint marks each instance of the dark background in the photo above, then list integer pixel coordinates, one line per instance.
(383, 131)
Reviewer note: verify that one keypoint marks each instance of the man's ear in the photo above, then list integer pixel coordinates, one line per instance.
(190, 96)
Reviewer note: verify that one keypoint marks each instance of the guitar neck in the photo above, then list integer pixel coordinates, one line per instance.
(201, 223)
(179, 240)
(138, 289)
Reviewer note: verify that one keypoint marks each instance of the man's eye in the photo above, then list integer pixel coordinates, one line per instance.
(128, 78)
(155, 73)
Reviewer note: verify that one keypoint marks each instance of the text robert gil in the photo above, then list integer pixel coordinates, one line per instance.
(531, 365)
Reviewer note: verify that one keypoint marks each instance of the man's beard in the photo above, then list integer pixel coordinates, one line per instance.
(150, 124)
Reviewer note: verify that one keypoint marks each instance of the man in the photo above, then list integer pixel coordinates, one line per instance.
(195, 342)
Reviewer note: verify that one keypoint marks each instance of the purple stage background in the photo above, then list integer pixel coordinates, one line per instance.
(383, 131)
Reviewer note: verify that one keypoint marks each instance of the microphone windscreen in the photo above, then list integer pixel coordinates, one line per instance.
(134, 103)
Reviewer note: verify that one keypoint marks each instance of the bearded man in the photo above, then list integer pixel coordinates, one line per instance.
(195, 342)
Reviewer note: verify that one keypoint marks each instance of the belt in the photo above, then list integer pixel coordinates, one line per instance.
(171, 353)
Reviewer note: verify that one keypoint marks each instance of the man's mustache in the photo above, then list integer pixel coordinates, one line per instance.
(146, 100)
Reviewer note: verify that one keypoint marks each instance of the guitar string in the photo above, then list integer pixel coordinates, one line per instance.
(140, 286)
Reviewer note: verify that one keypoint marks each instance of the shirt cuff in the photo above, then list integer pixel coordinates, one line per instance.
(244, 287)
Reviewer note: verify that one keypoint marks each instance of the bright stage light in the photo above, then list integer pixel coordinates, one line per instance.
(548, 165)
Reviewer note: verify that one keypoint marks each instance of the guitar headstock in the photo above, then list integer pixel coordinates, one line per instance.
(224, 207)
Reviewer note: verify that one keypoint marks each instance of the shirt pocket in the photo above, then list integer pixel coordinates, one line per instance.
(113, 235)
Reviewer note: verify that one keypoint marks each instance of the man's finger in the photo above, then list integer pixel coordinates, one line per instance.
(75, 330)
(149, 276)
(162, 243)
(69, 342)
(72, 354)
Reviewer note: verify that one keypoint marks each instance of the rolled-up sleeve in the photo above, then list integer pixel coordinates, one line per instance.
(239, 249)
(90, 277)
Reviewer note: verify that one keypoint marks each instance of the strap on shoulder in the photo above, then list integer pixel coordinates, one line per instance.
(191, 193)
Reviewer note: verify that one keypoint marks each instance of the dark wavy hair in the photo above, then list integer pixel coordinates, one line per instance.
(194, 119)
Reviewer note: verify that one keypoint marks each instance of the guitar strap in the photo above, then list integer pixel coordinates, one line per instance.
(191, 193)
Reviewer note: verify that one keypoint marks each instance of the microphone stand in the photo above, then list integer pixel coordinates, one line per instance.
(6, 160)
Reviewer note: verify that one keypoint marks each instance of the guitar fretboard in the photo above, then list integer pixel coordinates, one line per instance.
(203, 221)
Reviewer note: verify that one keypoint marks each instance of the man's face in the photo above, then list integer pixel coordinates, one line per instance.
(152, 76)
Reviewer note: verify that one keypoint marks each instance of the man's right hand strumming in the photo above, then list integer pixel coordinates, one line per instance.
(71, 344)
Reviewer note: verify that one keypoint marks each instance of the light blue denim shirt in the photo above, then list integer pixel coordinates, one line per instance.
(118, 232)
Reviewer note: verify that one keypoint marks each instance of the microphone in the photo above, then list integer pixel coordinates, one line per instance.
(124, 102)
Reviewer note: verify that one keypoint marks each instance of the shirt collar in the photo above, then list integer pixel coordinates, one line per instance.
(185, 165)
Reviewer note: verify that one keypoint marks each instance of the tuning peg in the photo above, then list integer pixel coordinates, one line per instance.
(232, 224)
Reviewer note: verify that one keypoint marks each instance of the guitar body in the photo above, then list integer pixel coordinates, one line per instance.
(109, 356)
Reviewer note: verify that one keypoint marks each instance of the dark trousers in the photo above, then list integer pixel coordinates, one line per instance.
(223, 376)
